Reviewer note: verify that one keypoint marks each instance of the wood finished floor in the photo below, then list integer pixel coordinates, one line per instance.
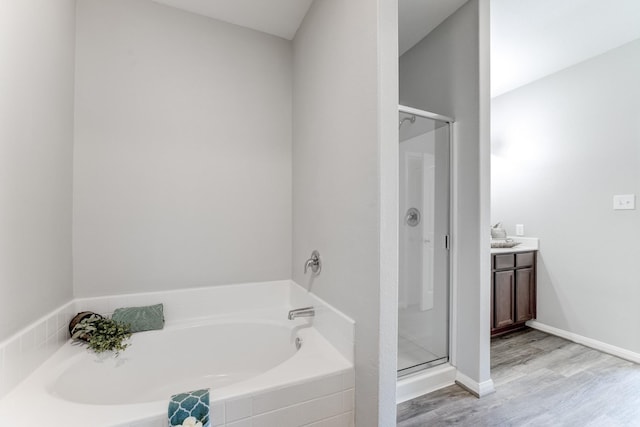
(541, 380)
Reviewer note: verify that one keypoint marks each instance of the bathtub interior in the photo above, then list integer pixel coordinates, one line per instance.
(158, 364)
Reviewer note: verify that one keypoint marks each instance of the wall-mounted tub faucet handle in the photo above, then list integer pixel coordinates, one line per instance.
(314, 263)
(301, 312)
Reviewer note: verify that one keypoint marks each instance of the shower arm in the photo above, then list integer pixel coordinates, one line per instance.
(412, 119)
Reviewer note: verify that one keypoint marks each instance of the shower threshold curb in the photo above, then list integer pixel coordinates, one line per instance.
(424, 382)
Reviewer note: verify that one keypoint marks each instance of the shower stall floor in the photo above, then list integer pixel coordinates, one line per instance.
(421, 339)
(411, 354)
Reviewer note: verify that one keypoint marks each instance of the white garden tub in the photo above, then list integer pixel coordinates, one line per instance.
(250, 362)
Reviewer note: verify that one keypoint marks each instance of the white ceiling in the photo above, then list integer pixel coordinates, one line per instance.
(277, 17)
(417, 18)
(531, 39)
(282, 18)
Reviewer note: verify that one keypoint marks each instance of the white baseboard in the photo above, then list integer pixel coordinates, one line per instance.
(589, 342)
(478, 389)
(424, 382)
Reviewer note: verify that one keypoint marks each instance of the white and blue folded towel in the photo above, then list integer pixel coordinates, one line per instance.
(190, 409)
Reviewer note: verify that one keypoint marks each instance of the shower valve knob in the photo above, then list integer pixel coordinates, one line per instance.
(314, 263)
(412, 217)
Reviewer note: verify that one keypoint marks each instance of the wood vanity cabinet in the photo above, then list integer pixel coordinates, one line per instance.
(513, 290)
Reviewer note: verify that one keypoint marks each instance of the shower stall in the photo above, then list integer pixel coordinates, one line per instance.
(424, 203)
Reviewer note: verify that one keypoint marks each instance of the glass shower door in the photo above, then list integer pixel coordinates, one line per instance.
(423, 299)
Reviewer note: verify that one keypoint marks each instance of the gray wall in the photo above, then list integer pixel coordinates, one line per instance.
(562, 147)
(446, 73)
(345, 117)
(36, 138)
(182, 159)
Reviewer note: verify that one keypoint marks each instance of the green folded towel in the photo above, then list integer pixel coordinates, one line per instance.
(141, 318)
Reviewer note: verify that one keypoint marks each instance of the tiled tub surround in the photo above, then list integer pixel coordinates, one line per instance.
(23, 352)
(313, 387)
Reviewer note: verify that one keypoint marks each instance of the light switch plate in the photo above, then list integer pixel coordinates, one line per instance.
(624, 201)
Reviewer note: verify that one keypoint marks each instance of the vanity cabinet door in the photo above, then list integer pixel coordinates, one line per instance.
(525, 296)
(513, 291)
(503, 293)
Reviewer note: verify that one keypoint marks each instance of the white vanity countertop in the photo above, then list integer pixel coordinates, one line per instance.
(527, 244)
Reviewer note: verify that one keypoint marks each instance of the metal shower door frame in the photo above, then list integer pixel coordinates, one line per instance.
(451, 288)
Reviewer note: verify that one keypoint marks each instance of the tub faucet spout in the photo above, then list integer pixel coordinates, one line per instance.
(301, 312)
